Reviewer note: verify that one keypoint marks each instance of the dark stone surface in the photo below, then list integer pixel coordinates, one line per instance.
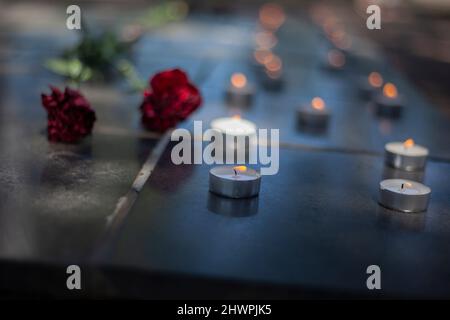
(314, 228)
(56, 199)
(317, 225)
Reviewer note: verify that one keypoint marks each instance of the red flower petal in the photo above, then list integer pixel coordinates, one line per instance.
(70, 117)
(172, 99)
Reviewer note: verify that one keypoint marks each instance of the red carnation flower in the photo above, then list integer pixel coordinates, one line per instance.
(171, 98)
(70, 116)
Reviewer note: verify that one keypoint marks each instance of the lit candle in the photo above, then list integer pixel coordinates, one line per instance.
(239, 92)
(406, 155)
(234, 182)
(235, 126)
(315, 114)
(404, 195)
(233, 129)
(269, 67)
(273, 73)
(335, 59)
(370, 85)
(388, 101)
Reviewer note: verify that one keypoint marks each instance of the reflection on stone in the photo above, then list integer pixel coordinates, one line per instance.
(232, 207)
(391, 219)
(312, 130)
(67, 165)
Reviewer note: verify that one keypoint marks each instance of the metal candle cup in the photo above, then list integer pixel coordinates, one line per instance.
(404, 195)
(234, 182)
(388, 102)
(314, 114)
(239, 92)
(369, 86)
(235, 128)
(406, 155)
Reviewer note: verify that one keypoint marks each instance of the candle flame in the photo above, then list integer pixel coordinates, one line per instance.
(318, 103)
(408, 143)
(236, 117)
(274, 64)
(406, 185)
(239, 169)
(390, 90)
(375, 79)
(271, 16)
(238, 80)
(263, 56)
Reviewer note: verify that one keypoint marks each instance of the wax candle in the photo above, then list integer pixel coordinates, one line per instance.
(314, 114)
(272, 80)
(239, 92)
(406, 155)
(388, 102)
(273, 73)
(234, 181)
(404, 195)
(233, 129)
(368, 86)
(235, 126)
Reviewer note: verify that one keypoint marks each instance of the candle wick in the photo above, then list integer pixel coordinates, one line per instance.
(403, 185)
(235, 173)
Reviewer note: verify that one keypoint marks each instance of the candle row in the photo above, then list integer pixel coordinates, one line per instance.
(387, 100)
(402, 194)
(242, 182)
(399, 194)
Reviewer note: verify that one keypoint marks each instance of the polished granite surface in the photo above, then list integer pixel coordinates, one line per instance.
(316, 224)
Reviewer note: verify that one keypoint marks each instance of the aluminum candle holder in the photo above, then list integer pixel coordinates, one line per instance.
(388, 102)
(368, 87)
(234, 182)
(406, 155)
(314, 114)
(239, 92)
(404, 195)
(233, 129)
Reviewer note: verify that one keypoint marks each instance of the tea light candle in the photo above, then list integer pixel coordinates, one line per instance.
(388, 101)
(404, 195)
(370, 85)
(239, 92)
(315, 114)
(273, 73)
(234, 182)
(406, 155)
(234, 127)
